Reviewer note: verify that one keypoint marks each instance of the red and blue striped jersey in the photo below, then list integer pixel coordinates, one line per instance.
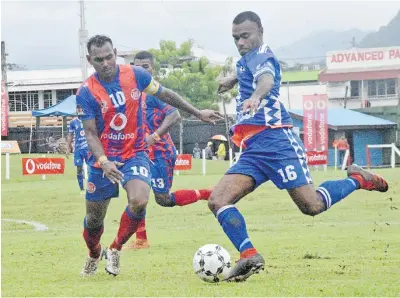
(118, 109)
(156, 111)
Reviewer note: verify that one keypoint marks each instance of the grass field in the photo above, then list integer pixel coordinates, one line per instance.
(351, 250)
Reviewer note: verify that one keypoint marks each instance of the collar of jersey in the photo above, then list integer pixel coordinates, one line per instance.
(113, 81)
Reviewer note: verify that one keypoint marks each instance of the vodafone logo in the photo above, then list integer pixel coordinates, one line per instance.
(308, 105)
(35, 166)
(321, 104)
(30, 166)
(119, 121)
(182, 162)
(82, 133)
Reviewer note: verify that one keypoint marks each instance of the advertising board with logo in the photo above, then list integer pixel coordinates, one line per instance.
(43, 166)
(183, 162)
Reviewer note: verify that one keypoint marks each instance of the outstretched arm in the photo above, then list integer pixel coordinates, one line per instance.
(169, 121)
(172, 98)
(264, 86)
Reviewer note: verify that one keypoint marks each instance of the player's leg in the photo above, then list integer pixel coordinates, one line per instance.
(162, 171)
(137, 185)
(312, 202)
(98, 195)
(78, 162)
(293, 174)
(79, 176)
(240, 180)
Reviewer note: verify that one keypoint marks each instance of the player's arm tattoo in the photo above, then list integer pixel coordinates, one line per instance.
(170, 97)
(169, 121)
(92, 138)
(264, 86)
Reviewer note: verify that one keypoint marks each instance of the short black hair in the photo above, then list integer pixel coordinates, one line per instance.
(247, 15)
(144, 55)
(98, 41)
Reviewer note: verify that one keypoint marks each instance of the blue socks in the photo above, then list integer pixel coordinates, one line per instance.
(234, 227)
(334, 191)
(80, 180)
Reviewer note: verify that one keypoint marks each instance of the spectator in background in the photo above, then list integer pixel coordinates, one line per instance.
(208, 151)
(221, 151)
(197, 151)
(342, 145)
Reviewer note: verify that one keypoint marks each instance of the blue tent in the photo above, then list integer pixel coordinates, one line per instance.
(65, 108)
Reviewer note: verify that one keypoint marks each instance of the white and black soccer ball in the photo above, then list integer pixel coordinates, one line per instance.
(212, 263)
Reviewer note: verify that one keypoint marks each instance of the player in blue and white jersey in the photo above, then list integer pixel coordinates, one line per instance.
(272, 151)
(81, 149)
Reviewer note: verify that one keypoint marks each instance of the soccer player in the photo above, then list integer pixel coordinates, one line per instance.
(160, 117)
(112, 111)
(81, 150)
(272, 150)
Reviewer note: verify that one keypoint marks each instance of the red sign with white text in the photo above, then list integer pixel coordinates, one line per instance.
(315, 158)
(183, 162)
(40, 166)
(321, 116)
(309, 136)
(4, 109)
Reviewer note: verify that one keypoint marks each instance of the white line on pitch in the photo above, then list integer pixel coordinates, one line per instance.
(37, 225)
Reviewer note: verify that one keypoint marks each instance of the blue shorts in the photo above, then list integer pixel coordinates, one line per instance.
(276, 155)
(99, 188)
(80, 156)
(162, 174)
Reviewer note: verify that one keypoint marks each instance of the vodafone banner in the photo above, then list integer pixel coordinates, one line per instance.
(183, 162)
(315, 123)
(321, 115)
(40, 166)
(4, 109)
(309, 137)
(315, 158)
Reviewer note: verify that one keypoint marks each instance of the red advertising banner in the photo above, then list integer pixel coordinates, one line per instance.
(315, 158)
(4, 109)
(40, 166)
(183, 162)
(309, 136)
(321, 115)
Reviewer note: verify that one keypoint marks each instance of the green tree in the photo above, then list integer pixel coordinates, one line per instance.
(194, 79)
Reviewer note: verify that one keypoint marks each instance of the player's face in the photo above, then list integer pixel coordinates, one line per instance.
(247, 36)
(103, 59)
(146, 64)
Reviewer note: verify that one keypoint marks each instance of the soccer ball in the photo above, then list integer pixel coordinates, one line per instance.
(212, 263)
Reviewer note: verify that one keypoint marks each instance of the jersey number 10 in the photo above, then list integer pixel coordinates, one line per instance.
(119, 99)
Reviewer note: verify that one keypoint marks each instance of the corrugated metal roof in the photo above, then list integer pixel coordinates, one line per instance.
(339, 117)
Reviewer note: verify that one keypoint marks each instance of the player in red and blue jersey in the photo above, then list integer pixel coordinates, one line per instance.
(272, 150)
(111, 106)
(81, 150)
(160, 117)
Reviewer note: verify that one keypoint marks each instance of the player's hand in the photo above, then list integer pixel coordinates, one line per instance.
(150, 140)
(251, 105)
(226, 84)
(67, 154)
(210, 116)
(111, 171)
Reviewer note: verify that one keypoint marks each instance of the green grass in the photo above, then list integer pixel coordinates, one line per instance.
(351, 250)
(300, 76)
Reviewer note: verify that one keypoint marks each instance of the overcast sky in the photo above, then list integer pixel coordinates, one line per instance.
(44, 34)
